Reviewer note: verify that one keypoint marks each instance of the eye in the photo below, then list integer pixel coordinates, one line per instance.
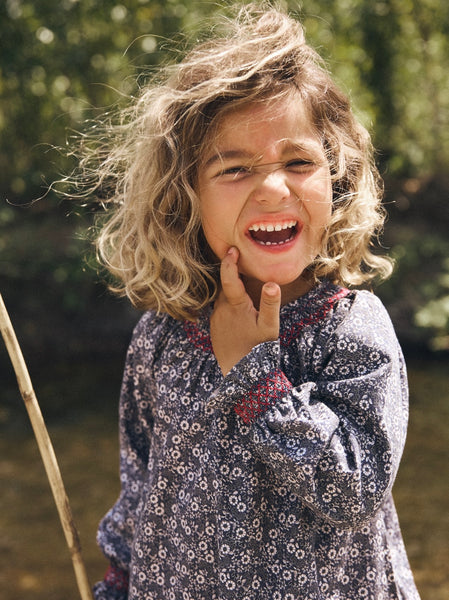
(299, 165)
(233, 172)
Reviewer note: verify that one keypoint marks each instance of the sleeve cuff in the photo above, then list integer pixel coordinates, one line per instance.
(114, 585)
(258, 364)
(264, 394)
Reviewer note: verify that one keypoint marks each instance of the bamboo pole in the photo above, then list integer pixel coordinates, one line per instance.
(46, 450)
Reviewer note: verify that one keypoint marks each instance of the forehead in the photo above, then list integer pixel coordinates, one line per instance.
(261, 126)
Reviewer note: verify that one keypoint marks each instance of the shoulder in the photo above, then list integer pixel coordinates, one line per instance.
(354, 338)
(337, 300)
(152, 323)
(338, 304)
(331, 315)
(365, 311)
(151, 332)
(362, 321)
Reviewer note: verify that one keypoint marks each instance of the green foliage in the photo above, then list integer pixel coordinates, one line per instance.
(418, 292)
(64, 61)
(393, 58)
(60, 60)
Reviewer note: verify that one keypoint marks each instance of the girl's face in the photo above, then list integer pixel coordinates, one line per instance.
(265, 188)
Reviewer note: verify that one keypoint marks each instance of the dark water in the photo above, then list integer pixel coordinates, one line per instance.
(79, 404)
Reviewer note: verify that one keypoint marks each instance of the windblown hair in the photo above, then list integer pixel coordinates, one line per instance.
(152, 241)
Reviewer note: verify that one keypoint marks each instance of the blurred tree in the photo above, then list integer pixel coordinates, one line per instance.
(393, 58)
(62, 62)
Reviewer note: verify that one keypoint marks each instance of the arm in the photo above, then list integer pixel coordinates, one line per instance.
(116, 530)
(335, 441)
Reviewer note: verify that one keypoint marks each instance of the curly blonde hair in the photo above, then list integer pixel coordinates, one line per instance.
(152, 241)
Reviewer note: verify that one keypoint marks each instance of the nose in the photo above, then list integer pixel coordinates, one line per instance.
(271, 187)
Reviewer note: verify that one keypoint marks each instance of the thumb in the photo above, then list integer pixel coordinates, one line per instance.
(270, 304)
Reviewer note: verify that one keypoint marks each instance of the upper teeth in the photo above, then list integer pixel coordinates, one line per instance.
(272, 226)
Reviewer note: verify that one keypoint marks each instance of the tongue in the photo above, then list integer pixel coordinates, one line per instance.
(275, 237)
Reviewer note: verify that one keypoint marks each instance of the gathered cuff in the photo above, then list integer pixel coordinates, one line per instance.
(114, 585)
(247, 373)
(264, 394)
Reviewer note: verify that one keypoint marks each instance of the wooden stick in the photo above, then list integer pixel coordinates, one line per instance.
(46, 450)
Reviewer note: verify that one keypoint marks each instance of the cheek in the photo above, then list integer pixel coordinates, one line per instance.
(219, 211)
(319, 194)
(214, 229)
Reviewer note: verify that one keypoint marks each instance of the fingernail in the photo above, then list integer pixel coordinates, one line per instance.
(271, 288)
(232, 252)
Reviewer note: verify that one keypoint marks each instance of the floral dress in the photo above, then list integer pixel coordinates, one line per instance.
(273, 482)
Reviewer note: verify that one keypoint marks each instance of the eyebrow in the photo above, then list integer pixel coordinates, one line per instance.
(289, 147)
(220, 156)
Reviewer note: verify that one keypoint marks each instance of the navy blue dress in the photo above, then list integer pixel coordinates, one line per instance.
(272, 483)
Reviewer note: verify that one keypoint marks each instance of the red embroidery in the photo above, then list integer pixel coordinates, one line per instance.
(262, 396)
(315, 317)
(201, 339)
(117, 578)
(198, 338)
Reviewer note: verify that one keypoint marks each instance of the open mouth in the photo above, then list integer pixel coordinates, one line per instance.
(273, 234)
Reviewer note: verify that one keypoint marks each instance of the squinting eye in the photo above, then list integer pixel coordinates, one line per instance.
(234, 171)
(299, 165)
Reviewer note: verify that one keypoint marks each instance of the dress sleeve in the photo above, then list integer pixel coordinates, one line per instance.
(116, 530)
(335, 439)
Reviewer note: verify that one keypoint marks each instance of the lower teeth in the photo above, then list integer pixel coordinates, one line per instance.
(275, 243)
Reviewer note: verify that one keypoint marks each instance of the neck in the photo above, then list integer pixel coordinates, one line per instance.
(290, 291)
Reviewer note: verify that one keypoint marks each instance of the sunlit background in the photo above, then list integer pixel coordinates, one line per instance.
(63, 62)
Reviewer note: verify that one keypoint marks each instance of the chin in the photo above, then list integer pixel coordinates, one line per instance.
(274, 276)
(284, 276)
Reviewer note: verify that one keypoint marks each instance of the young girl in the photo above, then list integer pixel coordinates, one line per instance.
(264, 406)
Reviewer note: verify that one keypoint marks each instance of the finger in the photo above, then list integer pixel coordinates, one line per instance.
(231, 284)
(270, 305)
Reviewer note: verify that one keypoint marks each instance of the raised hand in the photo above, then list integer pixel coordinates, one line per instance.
(236, 325)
